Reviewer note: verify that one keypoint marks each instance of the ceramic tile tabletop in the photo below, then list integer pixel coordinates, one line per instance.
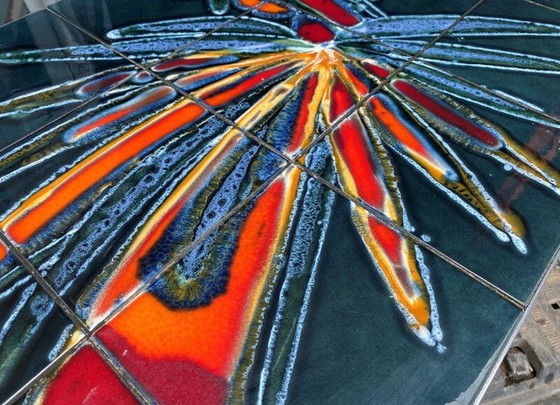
(215, 201)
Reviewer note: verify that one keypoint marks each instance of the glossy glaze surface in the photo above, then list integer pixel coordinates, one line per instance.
(273, 202)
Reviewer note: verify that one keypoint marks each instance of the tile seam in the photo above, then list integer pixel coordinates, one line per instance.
(431, 65)
(291, 160)
(61, 358)
(59, 301)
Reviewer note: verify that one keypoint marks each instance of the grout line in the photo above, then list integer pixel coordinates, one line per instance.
(383, 83)
(373, 211)
(76, 321)
(207, 34)
(405, 233)
(173, 261)
(61, 358)
(543, 5)
(124, 376)
(502, 96)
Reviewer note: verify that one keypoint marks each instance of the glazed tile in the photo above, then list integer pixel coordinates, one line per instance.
(356, 349)
(146, 31)
(84, 377)
(532, 205)
(47, 67)
(101, 196)
(551, 5)
(322, 327)
(523, 64)
(435, 212)
(33, 330)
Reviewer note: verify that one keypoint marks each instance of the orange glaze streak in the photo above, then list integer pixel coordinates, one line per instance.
(156, 95)
(213, 336)
(358, 88)
(251, 64)
(249, 3)
(273, 8)
(361, 177)
(398, 272)
(124, 278)
(340, 99)
(300, 131)
(50, 200)
(3, 251)
(244, 86)
(407, 138)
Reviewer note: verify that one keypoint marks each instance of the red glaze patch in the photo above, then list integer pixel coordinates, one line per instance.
(87, 379)
(181, 62)
(376, 70)
(447, 114)
(169, 381)
(303, 117)
(102, 84)
(341, 100)
(315, 32)
(333, 11)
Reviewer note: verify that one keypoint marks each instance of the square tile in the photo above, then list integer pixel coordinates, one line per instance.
(48, 67)
(305, 316)
(33, 330)
(355, 347)
(123, 187)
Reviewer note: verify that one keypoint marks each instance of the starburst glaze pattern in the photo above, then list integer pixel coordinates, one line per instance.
(286, 84)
